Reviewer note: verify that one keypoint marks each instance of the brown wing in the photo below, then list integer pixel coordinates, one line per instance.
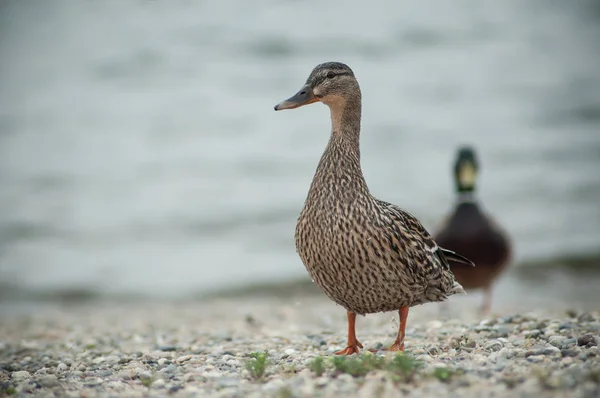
(417, 244)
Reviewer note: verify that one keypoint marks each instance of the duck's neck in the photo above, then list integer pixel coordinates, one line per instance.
(466, 197)
(345, 122)
(341, 159)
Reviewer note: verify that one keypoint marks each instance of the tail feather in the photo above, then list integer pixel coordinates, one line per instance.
(457, 258)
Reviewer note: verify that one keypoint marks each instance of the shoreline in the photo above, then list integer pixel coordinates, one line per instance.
(520, 289)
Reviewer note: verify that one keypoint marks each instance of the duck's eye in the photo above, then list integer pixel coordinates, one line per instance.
(330, 75)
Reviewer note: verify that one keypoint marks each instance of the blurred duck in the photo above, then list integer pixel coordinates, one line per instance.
(469, 231)
(365, 254)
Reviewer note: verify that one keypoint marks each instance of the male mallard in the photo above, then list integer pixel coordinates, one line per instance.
(469, 231)
(367, 255)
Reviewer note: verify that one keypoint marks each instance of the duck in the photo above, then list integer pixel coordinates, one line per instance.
(472, 232)
(365, 254)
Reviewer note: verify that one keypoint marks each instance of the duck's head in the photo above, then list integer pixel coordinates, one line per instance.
(465, 169)
(331, 83)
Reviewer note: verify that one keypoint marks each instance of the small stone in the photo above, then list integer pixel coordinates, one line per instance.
(501, 330)
(535, 358)
(112, 359)
(505, 353)
(125, 374)
(567, 343)
(173, 389)
(169, 369)
(61, 367)
(163, 361)
(99, 360)
(104, 373)
(20, 375)
(566, 326)
(593, 351)
(587, 340)
(493, 345)
(289, 351)
(566, 353)
(583, 356)
(532, 334)
(183, 358)
(48, 381)
(94, 381)
(167, 348)
(557, 341)
(159, 383)
(585, 317)
(572, 313)
(550, 350)
(518, 342)
(434, 350)
(470, 344)
(144, 375)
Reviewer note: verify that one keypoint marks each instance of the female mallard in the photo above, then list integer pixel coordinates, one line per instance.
(469, 231)
(367, 255)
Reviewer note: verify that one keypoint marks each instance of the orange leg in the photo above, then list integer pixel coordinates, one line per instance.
(399, 343)
(353, 343)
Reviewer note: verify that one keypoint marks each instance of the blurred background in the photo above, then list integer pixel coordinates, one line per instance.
(140, 155)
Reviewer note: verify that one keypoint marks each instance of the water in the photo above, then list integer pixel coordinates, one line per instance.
(139, 151)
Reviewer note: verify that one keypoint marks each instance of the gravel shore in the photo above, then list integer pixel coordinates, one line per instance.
(204, 349)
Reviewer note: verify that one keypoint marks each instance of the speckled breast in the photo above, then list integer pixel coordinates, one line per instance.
(343, 258)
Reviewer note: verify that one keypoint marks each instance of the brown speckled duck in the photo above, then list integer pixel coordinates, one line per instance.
(366, 255)
(471, 232)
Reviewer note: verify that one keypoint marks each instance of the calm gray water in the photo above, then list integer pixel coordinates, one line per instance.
(140, 153)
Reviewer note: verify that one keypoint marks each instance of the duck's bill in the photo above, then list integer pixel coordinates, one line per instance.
(303, 97)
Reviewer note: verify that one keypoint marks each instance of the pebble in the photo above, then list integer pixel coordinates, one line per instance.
(183, 358)
(501, 331)
(494, 345)
(532, 334)
(551, 350)
(94, 381)
(516, 355)
(126, 374)
(587, 340)
(569, 343)
(556, 341)
(145, 375)
(48, 381)
(167, 348)
(20, 375)
(506, 353)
